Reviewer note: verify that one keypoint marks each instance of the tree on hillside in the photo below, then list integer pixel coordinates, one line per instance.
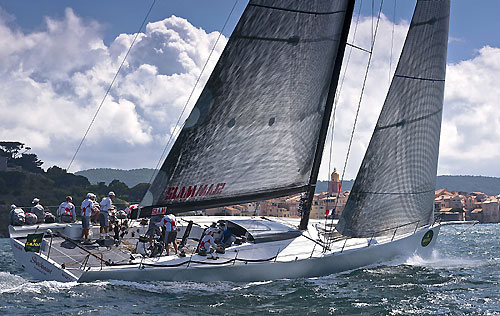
(29, 162)
(11, 149)
(136, 193)
(64, 179)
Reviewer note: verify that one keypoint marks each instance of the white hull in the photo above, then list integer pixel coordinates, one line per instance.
(297, 258)
(271, 270)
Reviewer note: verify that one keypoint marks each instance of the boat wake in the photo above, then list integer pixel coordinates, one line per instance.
(11, 283)
(437, 260)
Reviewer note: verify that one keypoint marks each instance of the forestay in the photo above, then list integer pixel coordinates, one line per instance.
(254, 130)
(396, 181)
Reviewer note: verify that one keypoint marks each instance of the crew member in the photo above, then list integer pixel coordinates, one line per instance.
(66, 211)
(157, 214)
(87, 207)
(13, 215)
(95, 211)
(38, 210)
(207, 244)
(170, 231)
(106, 207)
(227, 237)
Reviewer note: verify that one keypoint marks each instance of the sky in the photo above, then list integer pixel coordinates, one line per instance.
(58, 57)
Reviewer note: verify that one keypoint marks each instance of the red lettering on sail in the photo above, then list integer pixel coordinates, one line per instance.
(171, 193)
(202, 191)
(178, 192)
(189, 192)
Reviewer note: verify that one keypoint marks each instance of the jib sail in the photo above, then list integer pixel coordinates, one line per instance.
(396, 181)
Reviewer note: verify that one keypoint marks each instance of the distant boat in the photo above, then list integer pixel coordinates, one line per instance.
(258, 131)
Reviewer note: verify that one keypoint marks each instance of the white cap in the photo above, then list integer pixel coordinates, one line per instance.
(89, 195)
(111, 193)
(210, 230)
(35, 200)
(13, 206)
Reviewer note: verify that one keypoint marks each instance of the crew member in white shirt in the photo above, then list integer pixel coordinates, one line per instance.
(207, 244)
(38, 210)
(87, 207)
(170, 231)
(66, 211)
(106, 207)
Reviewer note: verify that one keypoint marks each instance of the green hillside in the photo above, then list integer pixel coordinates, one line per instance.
(488, 185)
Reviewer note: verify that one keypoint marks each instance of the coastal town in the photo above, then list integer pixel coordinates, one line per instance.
(448, 206)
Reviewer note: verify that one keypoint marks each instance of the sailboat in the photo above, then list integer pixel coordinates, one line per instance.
(258, 131)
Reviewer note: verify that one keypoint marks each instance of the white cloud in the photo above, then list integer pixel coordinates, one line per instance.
(55, 78)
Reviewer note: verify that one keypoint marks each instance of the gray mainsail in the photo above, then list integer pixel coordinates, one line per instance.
(396, 181)
(254, 130)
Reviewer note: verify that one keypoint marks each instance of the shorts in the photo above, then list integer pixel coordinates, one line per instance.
(67, 219)
(86, 222)
(171, 236)
(103, 219)
(152, 224)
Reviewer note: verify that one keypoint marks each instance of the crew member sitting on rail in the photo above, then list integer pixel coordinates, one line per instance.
(207, 244)
(106, 207)
(38, 210)
(87, 206)
(171, 231)
(16, 216)
(66, 211)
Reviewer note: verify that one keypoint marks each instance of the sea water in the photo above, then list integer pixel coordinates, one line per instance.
(461, 278)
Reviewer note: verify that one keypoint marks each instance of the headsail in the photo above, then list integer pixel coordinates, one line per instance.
(396, 181)
(253, 132)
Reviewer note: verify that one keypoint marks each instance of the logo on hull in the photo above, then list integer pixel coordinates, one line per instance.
(426, 240)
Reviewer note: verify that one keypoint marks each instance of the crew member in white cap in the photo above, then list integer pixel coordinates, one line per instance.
(38, 210)
(87, 206)
(106, 207)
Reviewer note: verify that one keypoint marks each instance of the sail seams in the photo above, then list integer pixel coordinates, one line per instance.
(404, 122)
(295, 11)
(393, 193)
(293, 40)
(419, 78)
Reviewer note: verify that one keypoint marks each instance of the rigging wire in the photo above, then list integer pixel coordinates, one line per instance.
(328, 242)
(392, 41)
(111, 85)
(337, 96)
(176, 129)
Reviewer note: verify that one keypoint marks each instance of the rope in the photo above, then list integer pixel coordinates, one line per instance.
(359, 106)
(189, 98)
(110, 85)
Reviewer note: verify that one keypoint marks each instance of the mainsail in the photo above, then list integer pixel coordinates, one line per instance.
(253, 133)
(396, 181)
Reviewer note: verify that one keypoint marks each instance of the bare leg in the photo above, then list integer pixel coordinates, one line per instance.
(175, 246)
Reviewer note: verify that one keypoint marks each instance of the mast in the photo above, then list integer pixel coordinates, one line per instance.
(307, 203)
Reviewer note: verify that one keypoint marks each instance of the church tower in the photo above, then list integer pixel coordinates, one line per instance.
(334, 183)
